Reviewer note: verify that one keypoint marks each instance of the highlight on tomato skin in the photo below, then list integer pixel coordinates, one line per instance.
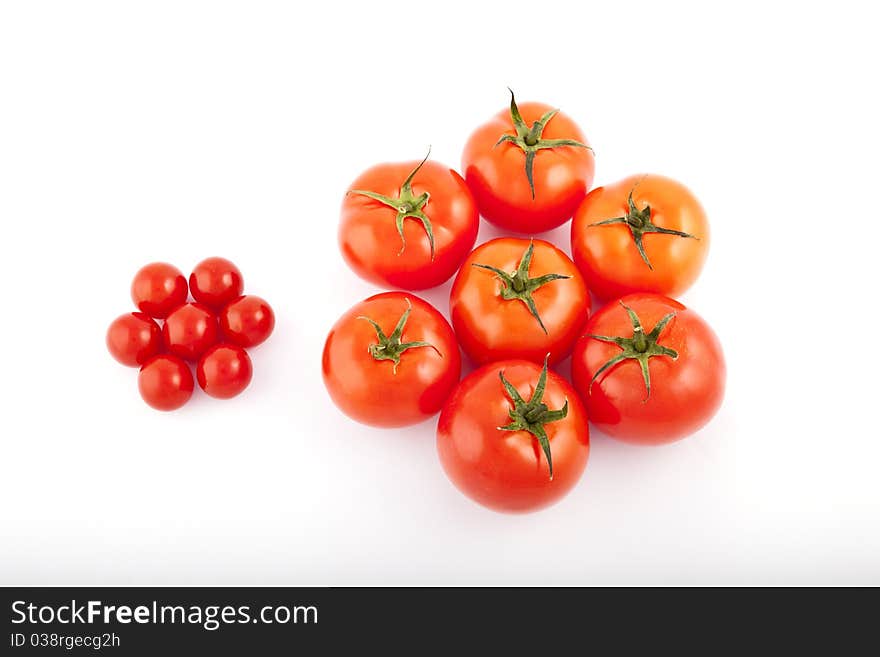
(649, 370)
(645, 233)
(495, 163)
(391, 360)
(489, 442)
(407, 225)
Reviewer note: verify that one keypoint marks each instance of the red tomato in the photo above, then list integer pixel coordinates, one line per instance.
(645, 233)
(518, 298)
(650, 370)
(391, 360)
(224, 371)
(513, 436)
(134, 338)
(165, 382)
(528, 168)
(215, 282)
(158, 288)
(247, 321)
(190, 330)
(407, 225)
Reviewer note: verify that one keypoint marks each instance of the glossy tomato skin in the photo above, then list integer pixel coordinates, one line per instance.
(216, 282)
(490, 328)
(607, 255)
(158, 288)
(165, 382)
(248, 321)
(685, 393)
(190, 330)
(368, 236)
(224, 371)
(497, 178)
(506, 470)
(134, 338)
(369, 390)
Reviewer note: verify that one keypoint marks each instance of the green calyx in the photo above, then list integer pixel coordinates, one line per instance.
(407, 205)
(640, 347)
(530, 139)
(639, 223)
(533, 414)
(391, 347)
(519, 286)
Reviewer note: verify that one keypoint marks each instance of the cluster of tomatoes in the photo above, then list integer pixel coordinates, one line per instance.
(213, 331)
(514, 435)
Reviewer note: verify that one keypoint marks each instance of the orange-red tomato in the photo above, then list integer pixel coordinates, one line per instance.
(497, 443)
(165, 382)
(134, 338)
(391, 360)
(501, 309)
(158, 288)
(534, 179)
(659, 214)
(407, 225)
(649, 369)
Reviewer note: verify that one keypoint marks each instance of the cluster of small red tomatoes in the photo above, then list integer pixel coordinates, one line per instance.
(213, 332)
(514, 435)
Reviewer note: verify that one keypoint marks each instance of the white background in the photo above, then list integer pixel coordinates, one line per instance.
(134, 132)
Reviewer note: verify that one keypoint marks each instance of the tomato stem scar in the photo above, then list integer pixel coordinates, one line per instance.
(533, 414)
(518, 285)
(530, 140)
(390, 347)
(407, 205)
(639, 347)
(640, 223)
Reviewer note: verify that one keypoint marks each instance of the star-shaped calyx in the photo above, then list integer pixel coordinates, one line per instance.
(533, 414)
(390, 347)
(640, 347)
(518, 285)
(639, 223)
(530, 139)
(407, 205)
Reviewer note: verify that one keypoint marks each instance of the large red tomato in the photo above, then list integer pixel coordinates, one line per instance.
(518, 298)
(407, 225)
(650, 370)
(645, 233)
(513, 436)
(528, 168)
(391, 360)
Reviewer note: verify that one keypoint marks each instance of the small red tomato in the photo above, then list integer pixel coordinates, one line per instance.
(528, 167)
(391, 360)
(649, 370)
(215, 282)
(408, 225)
(158, 288)
(247, 321)
(190, 330)
(518, 298)
(134, 338)
(513, 436)
(224, 371)
(165, 382)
